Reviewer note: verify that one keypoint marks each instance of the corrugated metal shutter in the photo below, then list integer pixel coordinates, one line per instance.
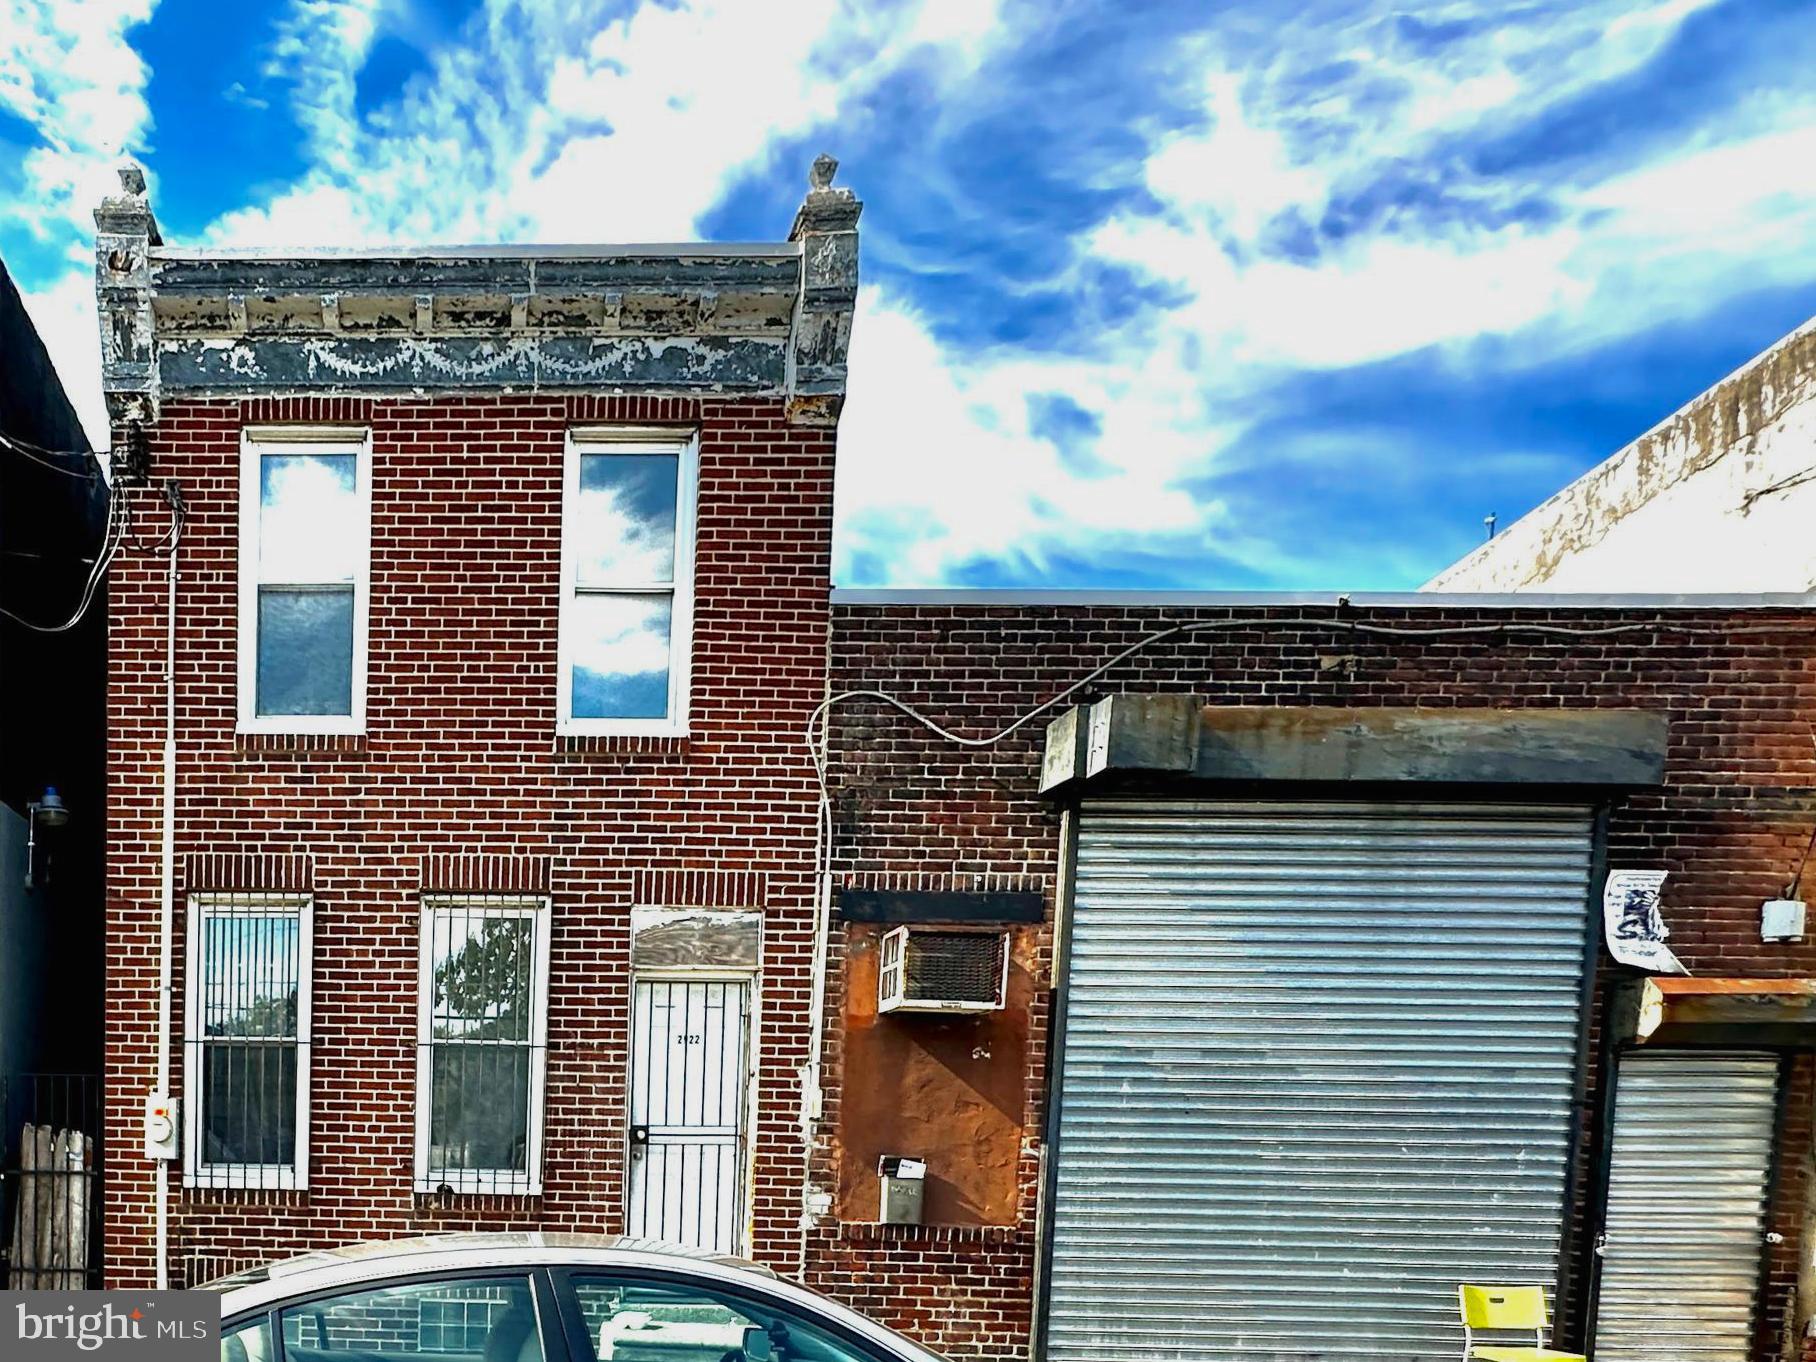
(1688, 1165)
(1319, 1062)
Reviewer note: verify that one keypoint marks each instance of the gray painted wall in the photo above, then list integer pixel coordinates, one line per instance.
(24, 962)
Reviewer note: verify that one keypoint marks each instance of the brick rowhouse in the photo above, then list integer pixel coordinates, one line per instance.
(467, 372)
(913, 811)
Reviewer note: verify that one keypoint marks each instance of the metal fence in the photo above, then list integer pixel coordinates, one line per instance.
(50, 1164)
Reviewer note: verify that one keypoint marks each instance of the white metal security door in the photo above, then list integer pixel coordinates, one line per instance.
(1319, 1062)
(689, 1067)
(1688, 1166)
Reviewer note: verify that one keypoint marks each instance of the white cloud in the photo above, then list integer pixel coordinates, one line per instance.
(70, 72)
(1174, 392)
(546, 127)
(541, 122)
(309, 512)
(621, 636)
(65, 318)
(938, 463)
(617, 545)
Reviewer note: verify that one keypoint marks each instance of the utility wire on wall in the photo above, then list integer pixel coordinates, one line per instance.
(116, 534)
(47, 458)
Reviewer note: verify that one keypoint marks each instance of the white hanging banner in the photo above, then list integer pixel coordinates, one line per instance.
(1636, 931)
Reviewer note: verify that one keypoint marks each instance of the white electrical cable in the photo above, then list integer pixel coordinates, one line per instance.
(167, 887)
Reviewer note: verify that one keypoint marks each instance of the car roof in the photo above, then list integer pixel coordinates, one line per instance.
(432, 1252)
(325, 1271)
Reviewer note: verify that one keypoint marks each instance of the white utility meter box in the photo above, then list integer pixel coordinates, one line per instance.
(1781, 920)
(160, 1127)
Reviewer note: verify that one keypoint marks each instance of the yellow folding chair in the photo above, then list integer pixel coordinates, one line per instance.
(1506, 1310)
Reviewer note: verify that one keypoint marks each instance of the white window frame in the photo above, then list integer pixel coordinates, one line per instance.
(587, 440)
(255, 443)
(502, 1182)
(285, 1177)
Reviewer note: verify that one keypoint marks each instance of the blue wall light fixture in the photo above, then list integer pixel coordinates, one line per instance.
(47, 813)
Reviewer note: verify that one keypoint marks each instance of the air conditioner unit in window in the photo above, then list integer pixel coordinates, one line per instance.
(942, 969)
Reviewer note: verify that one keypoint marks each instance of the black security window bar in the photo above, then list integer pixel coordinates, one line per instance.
(247, 1041)
(482, 1044)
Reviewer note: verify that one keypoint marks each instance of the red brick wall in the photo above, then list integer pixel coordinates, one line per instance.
(460, 758)
(913, 809)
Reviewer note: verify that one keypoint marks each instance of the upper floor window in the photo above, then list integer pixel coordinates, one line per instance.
(305, 549)
(627, 582)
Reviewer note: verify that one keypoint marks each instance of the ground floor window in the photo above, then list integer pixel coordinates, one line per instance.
(246, 1044)
(482, 1043)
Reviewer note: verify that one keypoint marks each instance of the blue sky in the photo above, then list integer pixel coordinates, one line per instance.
(1246, 295)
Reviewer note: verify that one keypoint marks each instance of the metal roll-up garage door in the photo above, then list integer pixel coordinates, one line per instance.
(1318, 1069)
(1688, 1167)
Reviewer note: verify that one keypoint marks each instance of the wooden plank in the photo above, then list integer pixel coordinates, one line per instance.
(1591, 747)
(81, 1176)
(1704, 1011)
(44, 1201)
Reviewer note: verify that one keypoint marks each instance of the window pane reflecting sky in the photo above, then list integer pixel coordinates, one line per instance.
(625, 521)
(308, 517)
(621, 656)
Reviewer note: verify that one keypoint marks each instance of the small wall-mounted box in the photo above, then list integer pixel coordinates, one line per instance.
(904, 1184)
(1781, 920)
(161, 1118)
(942, 969)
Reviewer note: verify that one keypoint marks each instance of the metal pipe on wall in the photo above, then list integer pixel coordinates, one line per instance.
(167, 915)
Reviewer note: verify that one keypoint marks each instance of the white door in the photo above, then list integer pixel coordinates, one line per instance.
(689, 1068)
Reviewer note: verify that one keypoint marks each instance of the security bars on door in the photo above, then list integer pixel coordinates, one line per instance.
(689, 1056)
(246, 1041)
(482, 1043)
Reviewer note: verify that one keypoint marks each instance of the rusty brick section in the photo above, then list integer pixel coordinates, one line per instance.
(911, 809)
(458, 783)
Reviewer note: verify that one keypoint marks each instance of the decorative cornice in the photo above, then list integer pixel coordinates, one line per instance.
(771, 318)
(125, 233)
(827, 228)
